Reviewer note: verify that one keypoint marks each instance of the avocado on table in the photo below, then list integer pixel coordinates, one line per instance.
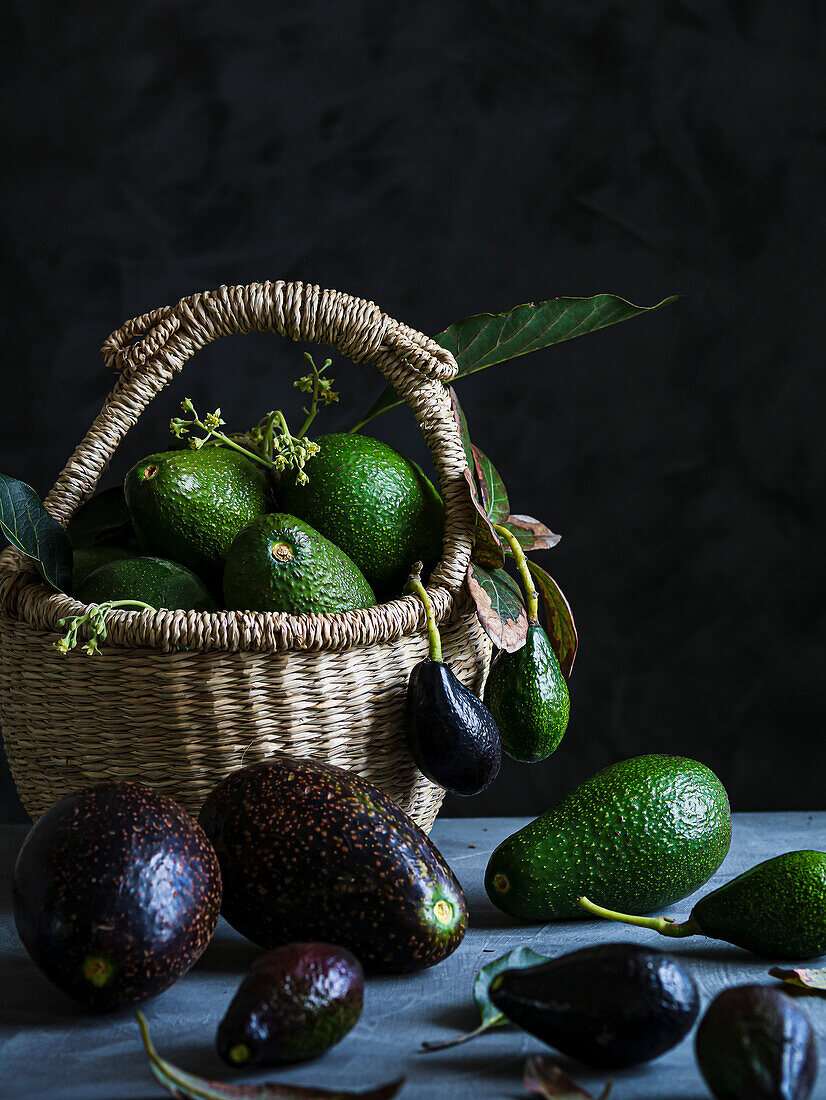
(116, 894)
(641, 833)
(309, 851)
(372, 502)
(612, 1005)
(754, 1043)
(296, 1002)
(279, 563)
(189, 505)
(154, 581)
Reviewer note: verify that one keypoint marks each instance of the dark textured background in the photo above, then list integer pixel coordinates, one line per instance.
(447, 158)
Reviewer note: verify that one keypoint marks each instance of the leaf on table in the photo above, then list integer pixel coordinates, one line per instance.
(516, 959)
(814, 981)
(544, 1078)
(530, 533)
(487, 547)
(499, 605)
(102, 520)
(29, 527)
(559, 620)
(488, 338)
(491, 487)
(186, 1086)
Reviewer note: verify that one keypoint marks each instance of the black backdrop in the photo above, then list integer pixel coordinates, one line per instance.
(447, 158)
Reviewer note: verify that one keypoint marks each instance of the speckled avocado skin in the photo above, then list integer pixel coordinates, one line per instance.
(192, 508)
(754, 1043)
(372, 502)
(116, 884)
(296, 1002)
(155, 581)
(793, 926)
(312, 577)
(309, 851)
(527, 695)
(640, 834)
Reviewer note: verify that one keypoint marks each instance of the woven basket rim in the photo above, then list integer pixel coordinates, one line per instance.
(147, 352)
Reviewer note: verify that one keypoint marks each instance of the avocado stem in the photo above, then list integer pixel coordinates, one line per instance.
(414, 585)
(664, 925)
(531, 597)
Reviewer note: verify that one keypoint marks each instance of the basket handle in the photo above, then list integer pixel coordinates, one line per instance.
(149, 350)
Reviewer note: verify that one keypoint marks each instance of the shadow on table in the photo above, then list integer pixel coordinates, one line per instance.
(29, 1000)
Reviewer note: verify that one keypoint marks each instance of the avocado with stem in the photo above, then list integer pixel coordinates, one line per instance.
(611, 1005)
(755, 1043)
(296, 1002)
(450, 732)
(649, 830)
(525, 691)
(776, 909)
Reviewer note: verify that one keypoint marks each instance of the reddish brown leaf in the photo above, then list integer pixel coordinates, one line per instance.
(559, 621)
(492, 491)
(461, 424)
(530, 533)
(487, 549)
(499, 606)
(814, 981)
(542, 1077)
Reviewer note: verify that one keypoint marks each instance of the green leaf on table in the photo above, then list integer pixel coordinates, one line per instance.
(29, 527)
(530, 533)
(491, 1017)
(559, 621)
(544, 1078)
(487, 547)
(102, 520)
(814, 981)
(186, 1086)
(488, 338)
(499, 606)
(491, 487)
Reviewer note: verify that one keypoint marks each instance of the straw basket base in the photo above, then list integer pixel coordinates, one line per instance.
(180, 722)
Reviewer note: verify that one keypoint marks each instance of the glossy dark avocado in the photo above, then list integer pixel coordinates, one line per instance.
(116, 894)
(309, 851)
(451, 734)
(612, 1005)
(755, 1043)
(527, 695)
(296, 1002)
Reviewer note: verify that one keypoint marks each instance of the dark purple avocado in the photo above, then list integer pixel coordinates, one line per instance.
(296, 1002)
(116, 894)
(309, 851)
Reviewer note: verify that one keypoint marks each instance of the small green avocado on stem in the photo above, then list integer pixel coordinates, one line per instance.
(279, 563)
(296, 1002)
(777, 909)
(525, 691)
(649, 830)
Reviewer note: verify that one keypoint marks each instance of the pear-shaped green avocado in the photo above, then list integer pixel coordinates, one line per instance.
(189, 505)
(527, 695)
(372, 502)
(279, 563)
(154, 581)
(649, 831)
(755, 1043)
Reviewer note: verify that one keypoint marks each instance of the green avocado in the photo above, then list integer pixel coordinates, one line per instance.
(527, 695)
(372, 502)
(279, 563)
(189, 505)
(86, 559)
(155, 581)
(641, 833)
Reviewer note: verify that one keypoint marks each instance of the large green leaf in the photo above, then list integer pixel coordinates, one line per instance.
(499, 605)
(488, 338)
(491, 1017)
(29, 527)
(559, 620)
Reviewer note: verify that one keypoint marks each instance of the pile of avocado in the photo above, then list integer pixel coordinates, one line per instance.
(217, 529)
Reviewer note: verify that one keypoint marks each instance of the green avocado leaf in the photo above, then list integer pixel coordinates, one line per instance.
(559, 619)
(29, 527)
(491, 487)
(491, 1017)
(488, 338)
(499, 605)
(530, 533)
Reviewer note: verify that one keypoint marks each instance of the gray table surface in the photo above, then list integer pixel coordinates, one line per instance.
(50, 1050)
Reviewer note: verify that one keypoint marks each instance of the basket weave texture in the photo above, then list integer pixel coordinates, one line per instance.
(177, 699)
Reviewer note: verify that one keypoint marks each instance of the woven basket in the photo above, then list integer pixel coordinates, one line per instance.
(177, 699)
